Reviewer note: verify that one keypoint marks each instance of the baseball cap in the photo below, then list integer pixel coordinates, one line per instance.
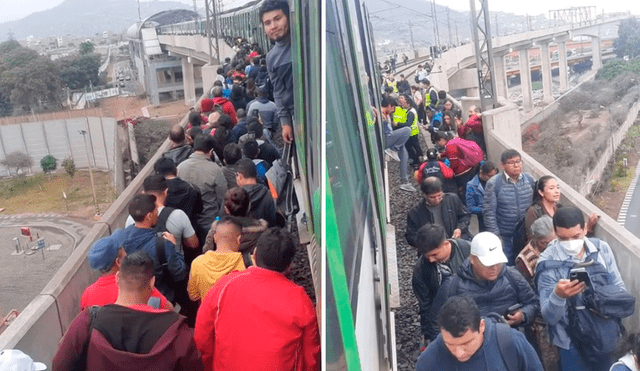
(16, 360)
(488, 248)
(103, 253)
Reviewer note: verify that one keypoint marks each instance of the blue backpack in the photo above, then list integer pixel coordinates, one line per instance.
(594, 316)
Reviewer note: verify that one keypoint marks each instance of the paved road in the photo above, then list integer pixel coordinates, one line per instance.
(632, 223)
(24, 276)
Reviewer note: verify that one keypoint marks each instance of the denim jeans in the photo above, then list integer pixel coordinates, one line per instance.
(396, 140)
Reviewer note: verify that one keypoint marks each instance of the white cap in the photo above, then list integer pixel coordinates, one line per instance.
(16, 360)
(488, 248)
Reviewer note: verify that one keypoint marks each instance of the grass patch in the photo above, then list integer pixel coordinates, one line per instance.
(621, 177)
(43, 193)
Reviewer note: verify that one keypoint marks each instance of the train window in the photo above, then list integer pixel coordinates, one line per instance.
(346, 160)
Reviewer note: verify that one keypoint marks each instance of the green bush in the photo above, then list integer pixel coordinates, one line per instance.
(48, 164)
(69, 166)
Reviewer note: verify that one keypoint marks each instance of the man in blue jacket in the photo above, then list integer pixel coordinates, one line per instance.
(469, 342)
(142, 236)
(507, 197)
(495, 287)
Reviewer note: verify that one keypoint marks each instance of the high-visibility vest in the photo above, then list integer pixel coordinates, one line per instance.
(427, 96)
(415, 129)
(393, 84)
(399, 116)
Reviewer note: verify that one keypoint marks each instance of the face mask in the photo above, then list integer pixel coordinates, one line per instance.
(572, 247)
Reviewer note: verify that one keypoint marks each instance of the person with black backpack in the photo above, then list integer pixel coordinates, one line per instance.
(470, 342)
(582, 295)
(495, 287)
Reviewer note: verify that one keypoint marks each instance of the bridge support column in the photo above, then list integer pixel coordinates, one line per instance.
(152, 89)
(547, 85)
(562, 66)
(189, 82)
(525, 79)
(501, 81)
(595, 51)
(209, 75)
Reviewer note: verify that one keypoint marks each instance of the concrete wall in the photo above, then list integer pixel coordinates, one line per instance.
(61, 139)
(197, 43)
(40, 326)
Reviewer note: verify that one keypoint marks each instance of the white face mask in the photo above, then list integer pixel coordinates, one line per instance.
(572, 247)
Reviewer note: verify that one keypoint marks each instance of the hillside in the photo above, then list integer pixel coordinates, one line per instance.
(85, 18)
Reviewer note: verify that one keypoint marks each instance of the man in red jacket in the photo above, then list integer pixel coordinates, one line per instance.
(129, 335)
(257, 319)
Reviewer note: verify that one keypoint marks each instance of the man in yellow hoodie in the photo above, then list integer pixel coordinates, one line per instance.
(212, 265)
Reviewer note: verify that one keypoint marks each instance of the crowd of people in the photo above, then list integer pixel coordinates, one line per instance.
(199, 278)
(533, 289)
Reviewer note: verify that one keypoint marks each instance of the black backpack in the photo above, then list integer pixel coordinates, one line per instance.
(594, 316)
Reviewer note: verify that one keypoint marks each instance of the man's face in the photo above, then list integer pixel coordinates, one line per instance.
(483, 272)
(388, 110)
(573, 233)
(434, 199)
(402, 101)
(513, 167)
(440, 254)
(276, 25)
(465, 346)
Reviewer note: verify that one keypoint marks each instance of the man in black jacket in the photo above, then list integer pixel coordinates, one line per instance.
(262, 204)
(439, 258)
(182, 194)
(444, 209)
(495, 287)
(179, 150)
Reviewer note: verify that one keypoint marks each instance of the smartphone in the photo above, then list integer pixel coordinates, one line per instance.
(580, 274)
(512, 309)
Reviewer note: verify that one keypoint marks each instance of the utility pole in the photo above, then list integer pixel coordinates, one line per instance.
(413, 46)
(434, 15)
(139, 16)
(449, 26)
(457, 35)
(93, 187)
(495, 17)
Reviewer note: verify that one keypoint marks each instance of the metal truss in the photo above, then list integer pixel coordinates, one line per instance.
(579, 14)
(480, 22)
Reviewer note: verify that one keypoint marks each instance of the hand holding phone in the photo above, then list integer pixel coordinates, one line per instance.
(580, 274)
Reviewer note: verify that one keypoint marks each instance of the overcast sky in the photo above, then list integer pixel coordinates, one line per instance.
(15, 9)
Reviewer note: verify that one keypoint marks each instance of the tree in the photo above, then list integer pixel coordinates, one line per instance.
(79, 71)
(8, 46)
(17, 160)
(48, 164)
(32, 83)
(86, 47)
(628, 41)
(69, 166)
(6, 108)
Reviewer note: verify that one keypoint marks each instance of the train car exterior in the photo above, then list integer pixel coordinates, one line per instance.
(358, 319)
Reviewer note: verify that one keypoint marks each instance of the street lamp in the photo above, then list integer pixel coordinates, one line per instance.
(93, 187)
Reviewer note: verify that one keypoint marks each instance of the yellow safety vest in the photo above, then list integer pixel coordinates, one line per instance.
(400, 117)
(393, 85)
(415, 129)
(427, 96)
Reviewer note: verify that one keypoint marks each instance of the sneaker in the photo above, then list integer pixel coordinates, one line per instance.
(393, 154)
(407, 187)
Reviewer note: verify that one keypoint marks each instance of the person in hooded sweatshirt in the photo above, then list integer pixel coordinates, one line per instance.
(182, 194)
(227, 106)
(129, 334)
(262, 204)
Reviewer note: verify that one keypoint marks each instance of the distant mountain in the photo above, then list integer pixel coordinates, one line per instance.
(85, 18)
(394, 22)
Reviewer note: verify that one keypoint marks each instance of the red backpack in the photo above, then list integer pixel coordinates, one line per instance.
(472, 154)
